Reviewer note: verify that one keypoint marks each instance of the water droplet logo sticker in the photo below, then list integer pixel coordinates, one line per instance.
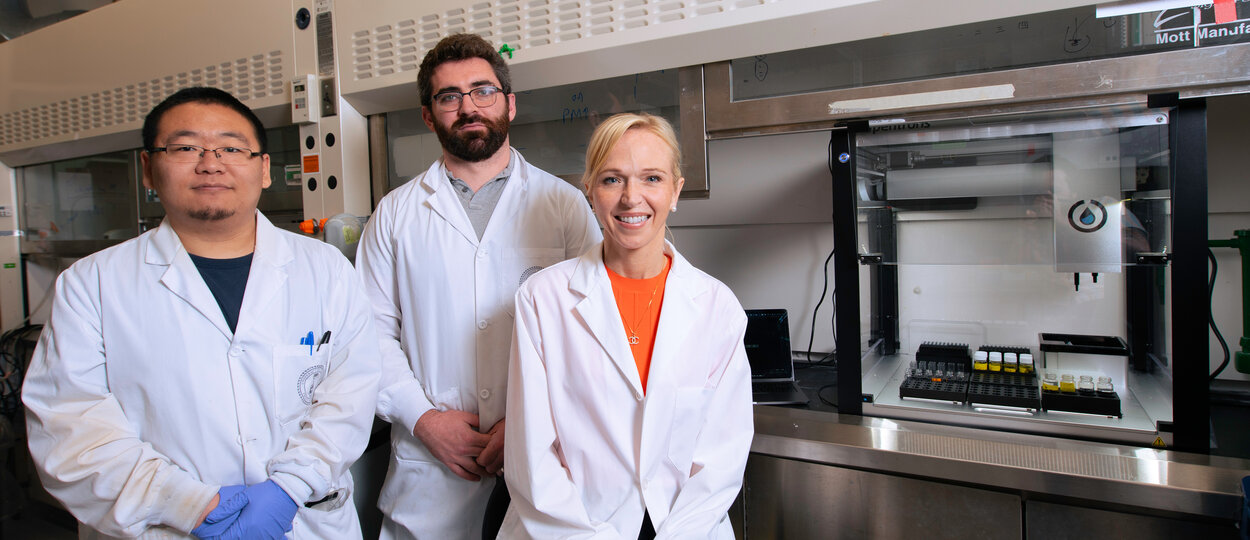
(1087, 216)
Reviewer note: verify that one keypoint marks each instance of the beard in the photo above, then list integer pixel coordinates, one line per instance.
(474, 147)
(211, 214)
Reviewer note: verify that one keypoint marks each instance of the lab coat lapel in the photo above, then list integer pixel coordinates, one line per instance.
(677, 314)
(267, 276)
(181, 276)
(444, 201)
(598, 310)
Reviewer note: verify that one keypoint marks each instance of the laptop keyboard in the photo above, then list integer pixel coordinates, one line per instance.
(771, 387)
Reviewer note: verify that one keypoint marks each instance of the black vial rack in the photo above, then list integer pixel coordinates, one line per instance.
(940, 372)
(1100, 403)
(1005, 389)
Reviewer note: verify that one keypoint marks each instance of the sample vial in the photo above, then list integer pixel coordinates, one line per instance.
(1067, 383)
(1010, 362)
(1105, 388)
(1085, 385)
(980, 361)
(1050, 382)
(1026, 363)
(996, 361)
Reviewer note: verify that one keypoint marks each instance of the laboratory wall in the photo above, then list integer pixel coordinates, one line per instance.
(767, 227)
(1228, 178)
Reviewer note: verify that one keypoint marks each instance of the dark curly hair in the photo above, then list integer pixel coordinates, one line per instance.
(460, 47)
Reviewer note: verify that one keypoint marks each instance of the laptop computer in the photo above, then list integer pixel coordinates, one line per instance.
(767, 342)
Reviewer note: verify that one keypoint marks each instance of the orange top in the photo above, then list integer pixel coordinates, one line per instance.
(639, 301)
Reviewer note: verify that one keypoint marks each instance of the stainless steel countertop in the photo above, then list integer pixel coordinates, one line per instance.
(1144, 478)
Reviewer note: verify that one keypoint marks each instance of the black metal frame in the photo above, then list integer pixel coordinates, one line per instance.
(1145, 299)
(846, 271)
(883, 279)
(1191, 406)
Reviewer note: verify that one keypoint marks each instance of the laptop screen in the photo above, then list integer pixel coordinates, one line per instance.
(767, 342)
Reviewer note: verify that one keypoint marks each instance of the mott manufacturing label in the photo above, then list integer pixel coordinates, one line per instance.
(1218, 23)
(1087, 202)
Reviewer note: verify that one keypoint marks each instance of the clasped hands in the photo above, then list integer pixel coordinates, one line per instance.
(261, 510)
(453, 437)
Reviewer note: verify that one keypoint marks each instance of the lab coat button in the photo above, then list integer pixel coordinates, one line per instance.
(481, 254)
(481, 325)
(485, 393)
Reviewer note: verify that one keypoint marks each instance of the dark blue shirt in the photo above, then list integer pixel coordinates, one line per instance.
(227, 278)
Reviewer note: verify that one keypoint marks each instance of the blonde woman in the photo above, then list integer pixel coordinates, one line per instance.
(628, 392)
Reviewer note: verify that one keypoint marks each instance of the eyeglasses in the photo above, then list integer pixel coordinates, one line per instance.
(483, 96)
(190, 153)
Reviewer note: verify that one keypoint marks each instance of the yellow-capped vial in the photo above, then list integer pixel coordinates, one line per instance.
(996, 361)
(1067, 383)
(1050, 382)
(980, 361)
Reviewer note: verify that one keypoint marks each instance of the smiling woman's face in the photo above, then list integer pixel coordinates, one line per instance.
(633, 193)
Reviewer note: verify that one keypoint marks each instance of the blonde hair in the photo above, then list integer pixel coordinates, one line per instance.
(610, 132)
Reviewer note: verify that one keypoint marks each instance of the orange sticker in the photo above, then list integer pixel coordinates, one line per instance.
(311, 163)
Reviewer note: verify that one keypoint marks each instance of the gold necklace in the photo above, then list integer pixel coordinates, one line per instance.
(633, 336)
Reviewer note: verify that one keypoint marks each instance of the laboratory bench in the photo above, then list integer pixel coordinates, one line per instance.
(815, 473)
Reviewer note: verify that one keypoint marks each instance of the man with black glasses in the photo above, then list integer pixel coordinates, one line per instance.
(215, 376)
(441, 259)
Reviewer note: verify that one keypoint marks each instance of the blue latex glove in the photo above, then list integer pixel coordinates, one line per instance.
(269, 512)
(226, 512)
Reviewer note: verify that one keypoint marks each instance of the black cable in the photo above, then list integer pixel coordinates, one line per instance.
(1215, 268)
(811, 338)
(821, 395)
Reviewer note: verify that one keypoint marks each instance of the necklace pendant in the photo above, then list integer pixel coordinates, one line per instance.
(633, 339)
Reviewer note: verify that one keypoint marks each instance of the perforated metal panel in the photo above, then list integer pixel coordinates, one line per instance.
(1108, 466)
(248, 78)
(528, 24)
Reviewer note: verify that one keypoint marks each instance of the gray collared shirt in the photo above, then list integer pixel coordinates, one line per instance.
(481, 204)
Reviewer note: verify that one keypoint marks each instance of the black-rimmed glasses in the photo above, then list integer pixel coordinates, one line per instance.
(482, 96)
(190, 153)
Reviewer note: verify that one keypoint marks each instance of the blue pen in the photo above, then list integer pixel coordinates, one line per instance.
(308, 340)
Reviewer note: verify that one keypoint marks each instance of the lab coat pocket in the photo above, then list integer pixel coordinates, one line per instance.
(297, 373)
(689, 413)
(520, 264)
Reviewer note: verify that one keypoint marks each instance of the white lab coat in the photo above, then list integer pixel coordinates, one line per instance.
(141, 403)
(443, 306)
(586, 451)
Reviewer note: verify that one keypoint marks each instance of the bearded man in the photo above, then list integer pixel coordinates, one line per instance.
(441, 259)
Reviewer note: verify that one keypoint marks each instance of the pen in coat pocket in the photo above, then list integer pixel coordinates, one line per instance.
(325, 338)
(308, 340)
